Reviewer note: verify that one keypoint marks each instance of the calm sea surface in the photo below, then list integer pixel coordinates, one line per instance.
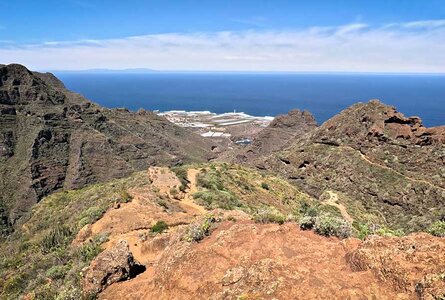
(263, 94)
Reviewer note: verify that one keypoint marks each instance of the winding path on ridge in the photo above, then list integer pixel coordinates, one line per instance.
(188, 198)
(132, 221)
(365, 158)
(333, 201)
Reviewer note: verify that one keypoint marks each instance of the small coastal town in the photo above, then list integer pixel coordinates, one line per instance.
(236, 126)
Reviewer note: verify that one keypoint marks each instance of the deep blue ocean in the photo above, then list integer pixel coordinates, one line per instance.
(263, 94)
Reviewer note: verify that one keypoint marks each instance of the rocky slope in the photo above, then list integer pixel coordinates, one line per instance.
(52, 139)
(277, 135)
(384, 167)
(246, 260)
(150, 237)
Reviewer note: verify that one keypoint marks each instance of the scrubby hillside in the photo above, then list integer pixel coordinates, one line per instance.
(383, 167)
(52, 139)
(212, 231)
(43, 258)
(276, 136)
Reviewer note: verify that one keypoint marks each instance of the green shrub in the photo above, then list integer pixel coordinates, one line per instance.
(57, 271)
(265, 186)
(385, 231)
(328, 225)
(181, 173)
(212, 199)
(437, 229)
(198, 231)
(173, 192)
(307, 222)
(269, 216)
(362, 230)
(159, 227)
(307, 209)
(91, 215)
(89, 250)
(125, 197)
(56, 237)
(162, 203)
(14, 285)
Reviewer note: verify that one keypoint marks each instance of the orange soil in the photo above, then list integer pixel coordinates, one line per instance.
(254, 261)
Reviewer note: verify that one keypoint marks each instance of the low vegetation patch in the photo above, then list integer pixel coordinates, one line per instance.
(324, 221)
(269, 215)
(55, 238)
(39, 260)
(181, 173)
(213, 193)
(159, 227)
(437, 229)
(265, 186)
(198, 231)
(328, 225)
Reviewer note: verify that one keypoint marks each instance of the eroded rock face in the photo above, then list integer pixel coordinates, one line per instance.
(53, 139)
(113, 265)
(413, 264)
(375, 121)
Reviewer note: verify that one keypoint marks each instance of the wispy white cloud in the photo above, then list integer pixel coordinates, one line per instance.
(358, 47)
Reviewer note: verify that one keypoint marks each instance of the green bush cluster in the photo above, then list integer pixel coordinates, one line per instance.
(362, 230)
(385, 231)
(56, 237)
(269, 215)
(212, 199)
(57, 271)
(328, 225)
(323, 221)
(89, 250)
(124, 196)
(91, 215)
(437, 229)
(159, 227)
(198, 231)
(307, 222)
(265, 186)
(181, 173)
(214, 194)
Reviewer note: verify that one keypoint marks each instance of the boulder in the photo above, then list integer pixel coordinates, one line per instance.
(112, 265)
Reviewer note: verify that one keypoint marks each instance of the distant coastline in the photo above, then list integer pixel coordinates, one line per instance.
(324, 95)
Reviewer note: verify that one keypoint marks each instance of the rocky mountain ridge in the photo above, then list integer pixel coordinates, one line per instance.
(52, 139)
(385, 166)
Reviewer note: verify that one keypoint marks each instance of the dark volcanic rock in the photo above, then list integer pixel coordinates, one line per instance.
(387, 168)
(52, 139)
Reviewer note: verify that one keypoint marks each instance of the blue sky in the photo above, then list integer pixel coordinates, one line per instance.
(357, 36)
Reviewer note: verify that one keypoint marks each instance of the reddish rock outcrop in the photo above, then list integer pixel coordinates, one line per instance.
(413, 264)
(246, 260)
(110, 266)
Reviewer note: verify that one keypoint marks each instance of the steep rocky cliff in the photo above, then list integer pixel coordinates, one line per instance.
(383, 166)
(51, 139)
